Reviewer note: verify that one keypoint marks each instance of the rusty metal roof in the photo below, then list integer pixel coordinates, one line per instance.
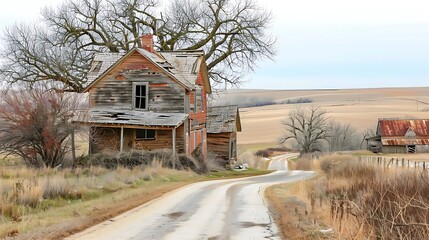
(223, 119)
(397, 127)
(404, 142)
(117, 116)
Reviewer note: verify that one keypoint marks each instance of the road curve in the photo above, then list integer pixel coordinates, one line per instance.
(280, 162)
(219, 209)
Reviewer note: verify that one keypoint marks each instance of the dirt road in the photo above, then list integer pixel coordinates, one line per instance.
(221, 209)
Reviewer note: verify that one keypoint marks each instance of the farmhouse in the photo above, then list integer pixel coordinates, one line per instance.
(223, 123)
(147, 100)
(401, 136)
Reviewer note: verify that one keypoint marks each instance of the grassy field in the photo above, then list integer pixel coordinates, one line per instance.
(54, 203)
(352, 199)
(359, 107)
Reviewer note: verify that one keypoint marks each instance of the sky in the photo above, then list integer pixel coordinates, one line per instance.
(326, 44)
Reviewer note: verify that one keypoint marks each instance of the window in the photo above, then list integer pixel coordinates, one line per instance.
(198, 100)
(145, 134)
(95, 67)
(140, 95)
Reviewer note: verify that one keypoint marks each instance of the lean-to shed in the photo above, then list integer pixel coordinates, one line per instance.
(223, 123)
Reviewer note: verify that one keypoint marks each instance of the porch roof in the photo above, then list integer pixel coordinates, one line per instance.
(115, 116)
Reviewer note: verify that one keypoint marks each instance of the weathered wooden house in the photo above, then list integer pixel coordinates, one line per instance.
(144, 99)
(223, 123)
(401, 136)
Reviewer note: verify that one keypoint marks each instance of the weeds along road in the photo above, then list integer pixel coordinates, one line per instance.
(220, 209)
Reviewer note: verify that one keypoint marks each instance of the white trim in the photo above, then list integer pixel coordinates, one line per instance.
(134, 95)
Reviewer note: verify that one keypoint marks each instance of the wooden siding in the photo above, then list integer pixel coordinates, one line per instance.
(115, 89)
(199, 117)
(403, 149)
(163, 139)
(220, 144)
(105, 139)
(198, 138)
(394, 149)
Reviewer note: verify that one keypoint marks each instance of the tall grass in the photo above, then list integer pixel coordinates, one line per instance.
(25, 190)
(364, 201)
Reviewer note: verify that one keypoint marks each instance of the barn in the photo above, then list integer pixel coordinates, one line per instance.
(223, 123)
(401, 136)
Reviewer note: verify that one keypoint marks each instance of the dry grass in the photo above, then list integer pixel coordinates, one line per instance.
(362, 201)
(255, 162)
(54, 203)
(27, 191)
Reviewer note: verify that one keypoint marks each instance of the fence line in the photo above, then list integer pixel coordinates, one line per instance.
(394, 162)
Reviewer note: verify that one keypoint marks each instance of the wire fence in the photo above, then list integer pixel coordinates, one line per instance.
(391, 162)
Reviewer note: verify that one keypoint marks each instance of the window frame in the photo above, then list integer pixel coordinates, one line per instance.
(198, 100)
(146, 138)
(135, 84)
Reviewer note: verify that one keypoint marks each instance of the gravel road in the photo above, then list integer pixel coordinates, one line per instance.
(219, 209)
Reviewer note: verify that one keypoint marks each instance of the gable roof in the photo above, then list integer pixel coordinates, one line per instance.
(181, 66)
(398, 128)
(187, 65)
(223, 119)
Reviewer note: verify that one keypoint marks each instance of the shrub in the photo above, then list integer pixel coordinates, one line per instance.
(134, 158)
(253, 161)
(298, 100)
(270, 151)
(305, 163)
(263, 153)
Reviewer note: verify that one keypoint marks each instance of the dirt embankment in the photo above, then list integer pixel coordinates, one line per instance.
(295, 218)
(100, 213)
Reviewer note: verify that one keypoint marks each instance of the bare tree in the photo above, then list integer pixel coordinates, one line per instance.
(368, 133)
(35, 125)
(233, 34)
(308, 127)
(341, 136)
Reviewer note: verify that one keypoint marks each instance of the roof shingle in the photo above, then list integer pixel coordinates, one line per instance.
(104, 115)
(223, 119)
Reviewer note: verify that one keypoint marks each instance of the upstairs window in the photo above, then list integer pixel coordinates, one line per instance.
(140, 95)
(198, 100)
(95, 67)
(145, 134)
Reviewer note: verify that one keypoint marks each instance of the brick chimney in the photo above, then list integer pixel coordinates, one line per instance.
(147, 42)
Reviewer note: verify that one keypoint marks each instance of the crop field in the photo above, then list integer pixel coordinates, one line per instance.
(359, 107)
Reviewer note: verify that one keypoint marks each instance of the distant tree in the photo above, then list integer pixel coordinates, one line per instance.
(341, 136)
(368, 133)
(35, 125)
(307, 127)
(233, 33)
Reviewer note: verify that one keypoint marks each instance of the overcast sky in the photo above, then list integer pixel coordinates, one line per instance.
(325, 44)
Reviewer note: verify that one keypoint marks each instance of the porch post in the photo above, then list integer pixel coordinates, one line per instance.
(174, 148)
(174, 140)
(122, 139)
